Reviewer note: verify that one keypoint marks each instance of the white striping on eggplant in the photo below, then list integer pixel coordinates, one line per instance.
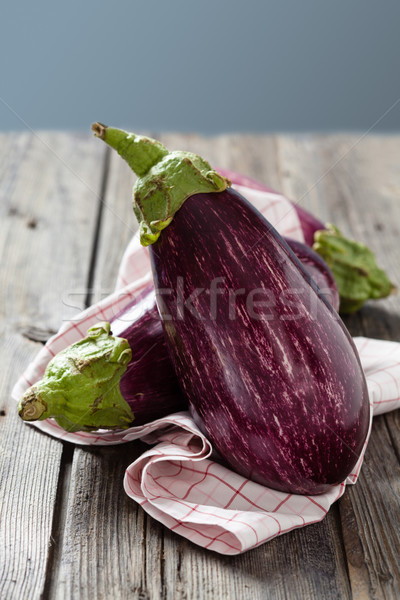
(280, 393)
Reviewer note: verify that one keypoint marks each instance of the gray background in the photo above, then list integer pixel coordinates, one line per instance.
(208, 66)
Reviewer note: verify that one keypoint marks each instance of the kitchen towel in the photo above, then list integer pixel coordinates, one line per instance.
(176, 481)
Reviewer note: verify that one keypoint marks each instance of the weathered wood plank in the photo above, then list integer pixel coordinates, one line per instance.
(95, 559)
(251, 155)
(29, 467)
(110, 548)
(373, 183)
(48, 213)
(46, 234)
(139, 557)
(370, 515)
(118, 225)
(298, 564)
(360, 192)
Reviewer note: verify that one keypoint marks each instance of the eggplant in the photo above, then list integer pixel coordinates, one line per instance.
(149, 388)
(149, 384)
(353, 264)
(110, 378)
(318, 269)
(271, 374)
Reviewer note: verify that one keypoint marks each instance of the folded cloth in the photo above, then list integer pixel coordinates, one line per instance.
(175, 481)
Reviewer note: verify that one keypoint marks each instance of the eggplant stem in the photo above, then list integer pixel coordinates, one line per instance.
(31, 407)
(99, 130)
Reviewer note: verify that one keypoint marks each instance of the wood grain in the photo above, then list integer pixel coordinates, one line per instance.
(118, 225)
(45, 239)
(52, 181)
(106, 545)
(29, 469)
(358, 185)
(371, 188)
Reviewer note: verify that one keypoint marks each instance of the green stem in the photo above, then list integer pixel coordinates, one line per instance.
(80, 387)
(140, 152)
(354, 268)
(165, 179)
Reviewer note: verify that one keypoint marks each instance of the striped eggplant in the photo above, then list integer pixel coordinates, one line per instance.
(353, 265)
(149, 385)
(149, 388)
(110, 378)
(270, 372)
(318, 269)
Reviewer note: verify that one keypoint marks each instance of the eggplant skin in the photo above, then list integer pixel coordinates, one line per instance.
(149, 384)
(279, 391)
(318, 269)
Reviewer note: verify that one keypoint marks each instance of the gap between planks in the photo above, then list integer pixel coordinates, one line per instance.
(36, 186)
(99, 218)
(64, 482)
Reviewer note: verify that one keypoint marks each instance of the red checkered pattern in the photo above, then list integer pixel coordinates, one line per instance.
(176, 481)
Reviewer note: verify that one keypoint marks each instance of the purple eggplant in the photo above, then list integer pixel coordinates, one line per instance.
(353, 265)
(280, 393)
(318, 269)
(149, 384)
(110, 379)
(270, 372)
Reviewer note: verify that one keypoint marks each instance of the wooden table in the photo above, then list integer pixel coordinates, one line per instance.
(67, 529)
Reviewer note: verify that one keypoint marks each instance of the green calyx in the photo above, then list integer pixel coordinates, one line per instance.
(354, 268)
(80, 387)
(165, 179)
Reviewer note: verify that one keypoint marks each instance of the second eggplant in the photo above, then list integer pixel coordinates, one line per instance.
(118, 375)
